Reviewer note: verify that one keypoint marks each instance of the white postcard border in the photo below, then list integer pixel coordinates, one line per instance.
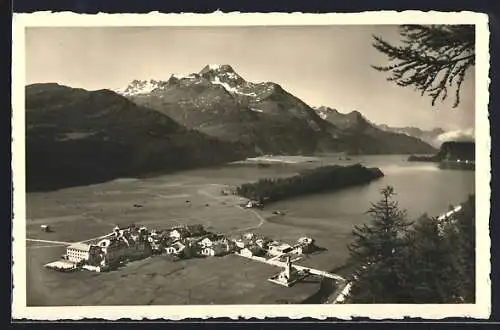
(481, 309)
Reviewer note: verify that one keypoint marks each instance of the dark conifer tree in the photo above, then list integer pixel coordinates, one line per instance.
(430, 274)
(460, 235)
(439, 264)
(385, 234)
(432, 262)
(430, 58)
(379, 247)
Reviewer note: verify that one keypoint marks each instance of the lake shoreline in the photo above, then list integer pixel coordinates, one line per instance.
(324, 178)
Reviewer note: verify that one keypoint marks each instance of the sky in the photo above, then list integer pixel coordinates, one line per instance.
(321, 65)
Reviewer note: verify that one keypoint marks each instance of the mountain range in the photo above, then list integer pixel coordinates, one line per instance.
(435, 137)
(75, 136)
(366, 137)
(429, 136)
(220, 103)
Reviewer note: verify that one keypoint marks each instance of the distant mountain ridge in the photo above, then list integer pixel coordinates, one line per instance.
(435, 137)
(368, 138)
(76, 137)
(220, 103)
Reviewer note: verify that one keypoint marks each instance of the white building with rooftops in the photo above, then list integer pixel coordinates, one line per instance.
(78, 252)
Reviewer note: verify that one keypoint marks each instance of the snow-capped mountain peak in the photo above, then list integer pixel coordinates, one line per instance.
(212, 74)
(137, 87)
(217, 68)
(185, 76)
(222, 73)
(323, 112)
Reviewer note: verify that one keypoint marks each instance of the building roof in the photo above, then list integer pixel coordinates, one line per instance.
(178, 245)
(253, 248)
(80, 246)
(280, 246)
(180, 230)
(61, 264)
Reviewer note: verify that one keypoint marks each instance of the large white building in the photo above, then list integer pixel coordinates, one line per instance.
(78, 252)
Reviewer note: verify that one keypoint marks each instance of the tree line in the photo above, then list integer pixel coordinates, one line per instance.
(423, 261)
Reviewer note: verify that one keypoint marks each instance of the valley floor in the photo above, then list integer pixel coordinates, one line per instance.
(191, 197)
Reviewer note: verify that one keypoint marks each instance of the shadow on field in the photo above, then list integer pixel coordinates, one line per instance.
(318, 249)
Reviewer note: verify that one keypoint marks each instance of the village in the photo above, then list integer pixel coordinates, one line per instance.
(131, 242)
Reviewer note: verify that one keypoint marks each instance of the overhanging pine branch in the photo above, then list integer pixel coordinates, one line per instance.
(432, 59)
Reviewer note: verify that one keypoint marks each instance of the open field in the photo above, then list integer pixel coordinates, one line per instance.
(159, 280)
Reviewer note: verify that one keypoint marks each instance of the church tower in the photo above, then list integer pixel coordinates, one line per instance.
(288, 268)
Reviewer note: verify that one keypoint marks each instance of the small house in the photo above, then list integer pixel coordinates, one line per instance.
(253, 204)
(179, 233)
(304, 245)
(155, 244)
(242, 243)
(305, 240)
(215, 250)
(211, 240)
(251, 250)
(207, 242)
(175, 249)
(239, 243)
(276, 249)
(299, 249)
(181, 249)
(263, 242)
(249, 236)
(45, 228)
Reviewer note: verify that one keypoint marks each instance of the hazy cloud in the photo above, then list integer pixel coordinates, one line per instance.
(457, 135)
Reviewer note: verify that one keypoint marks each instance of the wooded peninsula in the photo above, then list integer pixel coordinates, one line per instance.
(308, 181)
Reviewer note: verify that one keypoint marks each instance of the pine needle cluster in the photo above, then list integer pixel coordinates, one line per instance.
(432, 59)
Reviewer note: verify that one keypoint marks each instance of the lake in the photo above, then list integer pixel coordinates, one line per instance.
(420, 187)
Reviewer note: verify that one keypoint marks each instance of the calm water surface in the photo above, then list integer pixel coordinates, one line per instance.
(420, 187)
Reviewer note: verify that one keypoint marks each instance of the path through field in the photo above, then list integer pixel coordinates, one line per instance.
(225, 198)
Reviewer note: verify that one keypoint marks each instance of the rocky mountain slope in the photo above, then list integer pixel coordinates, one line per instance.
(367, 138)
(219, 102)
(75, 137)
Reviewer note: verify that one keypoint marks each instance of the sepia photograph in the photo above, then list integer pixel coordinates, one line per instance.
(206, 165)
